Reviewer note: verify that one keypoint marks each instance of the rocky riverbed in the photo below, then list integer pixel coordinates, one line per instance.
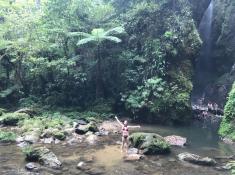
(91, 147)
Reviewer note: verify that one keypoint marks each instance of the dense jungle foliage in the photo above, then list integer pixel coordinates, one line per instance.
(227, 126)
(87, 54)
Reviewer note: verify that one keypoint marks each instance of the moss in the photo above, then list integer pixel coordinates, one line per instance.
(149, 143)
(227, 128)
(59, 135)
(7, 136)
(31, 154)
(12, 119)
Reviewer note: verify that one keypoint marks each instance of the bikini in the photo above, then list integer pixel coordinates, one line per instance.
(125, 132)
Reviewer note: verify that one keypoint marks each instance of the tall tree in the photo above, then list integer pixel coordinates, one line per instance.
(97, 36)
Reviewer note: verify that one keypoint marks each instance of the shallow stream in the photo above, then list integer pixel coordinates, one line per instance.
(106, 158)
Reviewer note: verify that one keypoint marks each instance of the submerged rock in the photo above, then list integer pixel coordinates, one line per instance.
(132, 157)
(175, 140)
(32, 167)
(196, 159)
(149, 143)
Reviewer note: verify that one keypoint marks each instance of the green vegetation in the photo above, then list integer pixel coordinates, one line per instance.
(7, 136)
(12, 119)
(227, 128)
(64, 54)
(31, 153)
(149, 143)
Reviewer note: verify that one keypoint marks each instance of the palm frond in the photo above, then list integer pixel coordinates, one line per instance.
(85, 41)
(98, 32)
(116, 30)
(112, 38)
(83, 34)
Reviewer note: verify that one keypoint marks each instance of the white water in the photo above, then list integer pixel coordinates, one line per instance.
(204, 67)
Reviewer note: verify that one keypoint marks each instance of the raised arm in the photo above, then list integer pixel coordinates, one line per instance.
(138, 126)
(120, 123)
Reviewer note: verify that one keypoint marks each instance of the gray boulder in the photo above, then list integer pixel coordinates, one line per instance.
(196, 159)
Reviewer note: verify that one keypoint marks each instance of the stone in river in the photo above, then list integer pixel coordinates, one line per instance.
(196, 159)
(175, 140)
(32, 166)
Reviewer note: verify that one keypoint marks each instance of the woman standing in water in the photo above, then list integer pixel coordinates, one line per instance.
(125, 133)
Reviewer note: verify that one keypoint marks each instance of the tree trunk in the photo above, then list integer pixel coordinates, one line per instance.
(99, 81)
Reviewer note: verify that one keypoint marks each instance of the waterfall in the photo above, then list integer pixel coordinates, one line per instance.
(204, 67)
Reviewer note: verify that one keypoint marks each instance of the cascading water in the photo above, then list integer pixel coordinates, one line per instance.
(204, 67)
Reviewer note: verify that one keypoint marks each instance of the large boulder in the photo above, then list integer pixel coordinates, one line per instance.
(149, 143)
(83, 129)
(44, 156)
(196, 159)
(175, 140)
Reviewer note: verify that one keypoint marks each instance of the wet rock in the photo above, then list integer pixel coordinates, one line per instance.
(82, 129)
(48, 158)
(92, 139)
(69, 131)
(44, 156)
(175, 140)
(48, 140)
(132, 151)
(22, 144)
(82, 122)
(149, 143)
(102, 133)
(19, 139)
(31, 137)
(172, 160)
(132, 157)
(74, 140)
(227, 141)
(60, 135)
(196, 159)
(82, 166)
(32, 167)
(57, 141)
(110, 126)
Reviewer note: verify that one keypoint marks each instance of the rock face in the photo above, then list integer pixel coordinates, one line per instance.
(176, 140)
(149, 143)
(195, 159)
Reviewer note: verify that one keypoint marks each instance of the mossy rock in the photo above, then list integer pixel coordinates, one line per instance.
(31, 154)
(227, 128)
(7, 137)
(60, 135)
(149, 143)
(82, 129)
(12, 119)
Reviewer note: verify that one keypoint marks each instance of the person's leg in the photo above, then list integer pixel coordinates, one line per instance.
(123, 143)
